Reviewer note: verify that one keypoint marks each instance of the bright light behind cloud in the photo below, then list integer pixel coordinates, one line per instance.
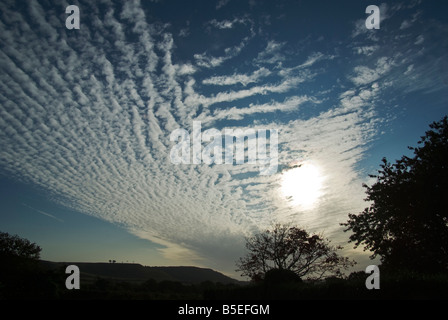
(302, 186)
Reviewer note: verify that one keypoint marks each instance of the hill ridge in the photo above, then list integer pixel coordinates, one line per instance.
(139, 272)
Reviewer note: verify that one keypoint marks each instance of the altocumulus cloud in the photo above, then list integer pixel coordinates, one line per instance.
(86, 115)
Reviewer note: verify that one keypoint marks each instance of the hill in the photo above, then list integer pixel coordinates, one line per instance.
(133, 272)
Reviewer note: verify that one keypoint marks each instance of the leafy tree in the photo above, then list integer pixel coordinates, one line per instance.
(407, 221)
(291, 248)
(20, 274)
(15, 247)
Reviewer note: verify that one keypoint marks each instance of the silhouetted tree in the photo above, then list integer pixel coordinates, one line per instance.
(20, 273)
(291, 248)
(14, 246)
(276, 277)
(407, 221)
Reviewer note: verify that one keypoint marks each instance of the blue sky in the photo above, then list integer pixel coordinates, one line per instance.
(86, 117)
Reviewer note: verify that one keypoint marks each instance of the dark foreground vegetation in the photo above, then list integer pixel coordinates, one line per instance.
(24, 276)
(393, 286)
(41, 283)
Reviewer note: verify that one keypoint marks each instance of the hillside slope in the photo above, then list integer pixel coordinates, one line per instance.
(139, 273)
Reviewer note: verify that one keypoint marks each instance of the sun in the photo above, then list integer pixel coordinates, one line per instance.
(302, 186)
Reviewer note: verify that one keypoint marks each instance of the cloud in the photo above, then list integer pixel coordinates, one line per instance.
(408, 23)
(405, 24)
(184, 32)
(221, 3)
(203, 60)
(365, 75)
(286, 84)
(420, 39)
(409, 70)
(243, 79)
(227, 24)
(186, 69)
(289, 104)
(366, 50)
(271, 54)
(207, 61)
(310, 61)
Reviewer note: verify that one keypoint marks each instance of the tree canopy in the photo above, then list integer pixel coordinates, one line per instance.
(406, 223)
(291, 248)
(15, 246)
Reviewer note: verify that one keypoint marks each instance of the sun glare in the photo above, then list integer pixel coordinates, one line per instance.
(302, 186)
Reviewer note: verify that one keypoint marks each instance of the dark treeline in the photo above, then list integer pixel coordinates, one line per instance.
(29, 280)
(40, 283)
(393, 285)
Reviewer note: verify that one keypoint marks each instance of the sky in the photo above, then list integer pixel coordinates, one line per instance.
(87, 118)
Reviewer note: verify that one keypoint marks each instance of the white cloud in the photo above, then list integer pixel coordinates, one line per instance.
(289, 104)
(365, 75)
(409, 70)
(203, 60)
(359, 28)
(271, 54)
(227, 24)
(195, 99)
(206, 61)
(243, 79)
(184, 32)
(186, 69)
(420, 39)
(221, 3)
(405, 24)
(366, 50)
(311, 60)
